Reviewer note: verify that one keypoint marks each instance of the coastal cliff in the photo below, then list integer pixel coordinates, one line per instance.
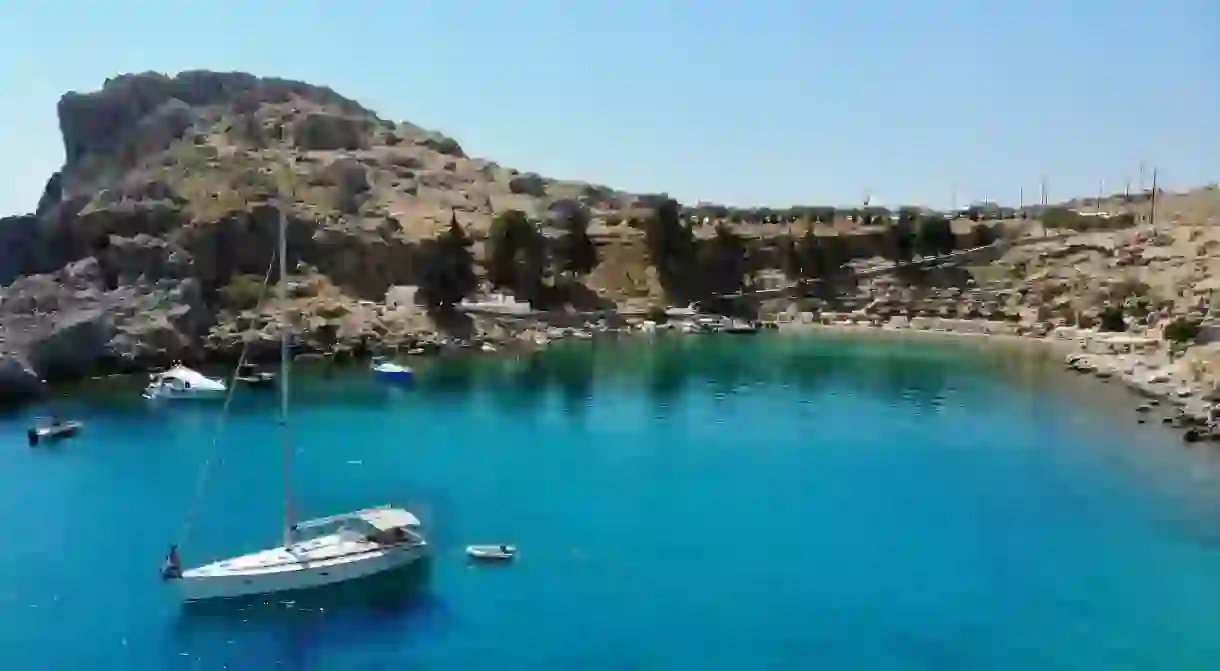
(151, 243)
(168, 195)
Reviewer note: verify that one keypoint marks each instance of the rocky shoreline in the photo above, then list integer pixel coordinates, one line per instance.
(152, 244)
(1162, 391)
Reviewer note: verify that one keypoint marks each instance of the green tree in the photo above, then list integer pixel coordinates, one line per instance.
(671, 248)
(876, 215)
(831, 256)
(723, 262)
(1182, 330)
(448, 268)
(934, 236)
(1111, 319)
(789, 258)
(811, 255)
(823, 215)
(900, 241)
(982, 235)
(575, 253)
(516, 257)
(242, 292)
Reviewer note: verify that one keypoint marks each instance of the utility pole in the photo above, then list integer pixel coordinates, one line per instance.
(1100, 188)
(1152, 206)
(1021, 201)
(1042, 189)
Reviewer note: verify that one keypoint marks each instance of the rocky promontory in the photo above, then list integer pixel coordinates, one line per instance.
(152, 242)
(170, 192)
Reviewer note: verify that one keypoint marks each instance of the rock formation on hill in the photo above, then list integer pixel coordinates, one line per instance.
(168, 192)
(166, 208)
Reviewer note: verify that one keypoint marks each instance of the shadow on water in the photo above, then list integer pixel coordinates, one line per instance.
(526, 382)
(398, 591)
(572, 372)
(667, 374)
(456, 378)
(293, 626)
(664, 367)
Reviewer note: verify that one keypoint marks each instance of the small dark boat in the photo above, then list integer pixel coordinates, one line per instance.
(741, 328)
(54, 431)
(249, 375)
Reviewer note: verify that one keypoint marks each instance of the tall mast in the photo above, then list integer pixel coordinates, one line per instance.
(283, 376)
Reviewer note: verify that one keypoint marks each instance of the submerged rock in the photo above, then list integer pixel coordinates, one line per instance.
(18, 380)
(73, 344)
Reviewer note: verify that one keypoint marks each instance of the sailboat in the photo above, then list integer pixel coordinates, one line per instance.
(313, 553)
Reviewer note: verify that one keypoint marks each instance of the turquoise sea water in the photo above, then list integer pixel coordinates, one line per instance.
(772, 502)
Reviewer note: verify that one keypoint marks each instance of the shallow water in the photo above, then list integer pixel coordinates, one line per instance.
(713, 503)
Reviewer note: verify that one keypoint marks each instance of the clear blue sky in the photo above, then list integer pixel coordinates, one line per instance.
(768, 102)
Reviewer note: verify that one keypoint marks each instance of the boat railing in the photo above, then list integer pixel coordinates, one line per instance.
(411, 541)
(342, 517)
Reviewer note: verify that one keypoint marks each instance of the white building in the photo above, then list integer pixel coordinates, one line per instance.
(498, 302)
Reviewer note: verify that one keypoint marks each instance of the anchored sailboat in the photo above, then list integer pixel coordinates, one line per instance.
(314, 553)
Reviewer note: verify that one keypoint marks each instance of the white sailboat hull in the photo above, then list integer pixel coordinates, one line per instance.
(238, 579)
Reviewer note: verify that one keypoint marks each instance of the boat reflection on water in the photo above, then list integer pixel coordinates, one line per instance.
(294, 631)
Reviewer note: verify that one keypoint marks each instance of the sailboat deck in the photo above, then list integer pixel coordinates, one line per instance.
(325, 550)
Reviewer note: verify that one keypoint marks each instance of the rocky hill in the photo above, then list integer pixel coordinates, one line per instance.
(170, 193)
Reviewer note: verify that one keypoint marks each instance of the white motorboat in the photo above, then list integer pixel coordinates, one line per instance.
(182, 382)
(55, 430)
(314, 553)
(389, 370)
(493, 552)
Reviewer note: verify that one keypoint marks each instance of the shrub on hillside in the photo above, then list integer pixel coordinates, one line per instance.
(1182, 330)
(242, 292)
(657, 314)
(1111, 319)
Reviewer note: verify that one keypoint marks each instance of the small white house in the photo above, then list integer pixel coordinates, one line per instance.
(400, 296)
(498, 303)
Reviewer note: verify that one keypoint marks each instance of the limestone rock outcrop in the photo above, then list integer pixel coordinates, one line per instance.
(167, 206)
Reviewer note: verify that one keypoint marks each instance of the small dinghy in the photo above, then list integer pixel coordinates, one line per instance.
(54, 431)
(251, 376)
(741, 327)
(388, 370)
(491, 552)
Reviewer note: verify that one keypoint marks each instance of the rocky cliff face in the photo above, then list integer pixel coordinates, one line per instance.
(169, 195)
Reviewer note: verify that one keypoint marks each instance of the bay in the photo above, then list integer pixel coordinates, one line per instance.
(775, 501)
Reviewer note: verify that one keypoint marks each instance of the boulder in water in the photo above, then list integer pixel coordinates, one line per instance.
(18, 379)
